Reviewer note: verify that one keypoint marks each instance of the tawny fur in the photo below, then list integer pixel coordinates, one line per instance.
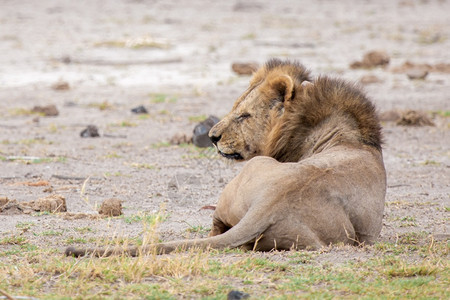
(315, 174)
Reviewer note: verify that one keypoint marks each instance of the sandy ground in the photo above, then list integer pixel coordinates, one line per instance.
(174, 57)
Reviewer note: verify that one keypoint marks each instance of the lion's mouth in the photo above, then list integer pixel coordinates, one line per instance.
(235, 155)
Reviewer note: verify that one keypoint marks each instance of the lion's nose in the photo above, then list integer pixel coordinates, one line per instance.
(215, 138)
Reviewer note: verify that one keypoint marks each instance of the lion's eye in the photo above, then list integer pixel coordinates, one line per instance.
(243, 116)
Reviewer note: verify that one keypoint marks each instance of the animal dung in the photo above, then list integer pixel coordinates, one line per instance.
(372, 59)
(47, 111)
(111, 207)
(90, 131)
(54, 204)
(406, 118)
(61, 86)
(370, 79)
(244, 68)
(201, 131)
(414, 118)
(9, 206)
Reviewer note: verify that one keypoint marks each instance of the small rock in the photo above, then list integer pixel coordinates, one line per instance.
(370, 79)
(90, 131)
(372, 59)
(237, 295)
(111, 207)
(414, 118)
(66, 59)
(201, 130)
(244, 68)
(414, 74)
(48, 111)
(61, 86)
(139, 110)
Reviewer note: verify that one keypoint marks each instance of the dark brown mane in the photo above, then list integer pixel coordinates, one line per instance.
(348, 99)
(310, 109)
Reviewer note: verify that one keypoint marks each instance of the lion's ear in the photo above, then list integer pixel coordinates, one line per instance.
(284, 86)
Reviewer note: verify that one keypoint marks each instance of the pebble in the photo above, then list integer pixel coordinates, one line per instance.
(139, 110)
(237, 295)
(90, 131)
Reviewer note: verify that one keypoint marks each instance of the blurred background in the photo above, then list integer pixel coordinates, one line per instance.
(194, 43)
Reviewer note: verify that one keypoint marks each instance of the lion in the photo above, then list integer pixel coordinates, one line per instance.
(315, 174)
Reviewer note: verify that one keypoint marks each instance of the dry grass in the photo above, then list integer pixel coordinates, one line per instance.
(416, 268)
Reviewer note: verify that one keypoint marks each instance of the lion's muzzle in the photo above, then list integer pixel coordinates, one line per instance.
(235, 156)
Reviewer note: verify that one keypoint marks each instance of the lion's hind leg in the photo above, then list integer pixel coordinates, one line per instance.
(218, 227)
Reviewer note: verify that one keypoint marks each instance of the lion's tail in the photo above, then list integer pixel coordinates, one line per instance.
(246, 231)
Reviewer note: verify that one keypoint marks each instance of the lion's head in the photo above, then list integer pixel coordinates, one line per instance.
(287, 117)
(242, 134)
